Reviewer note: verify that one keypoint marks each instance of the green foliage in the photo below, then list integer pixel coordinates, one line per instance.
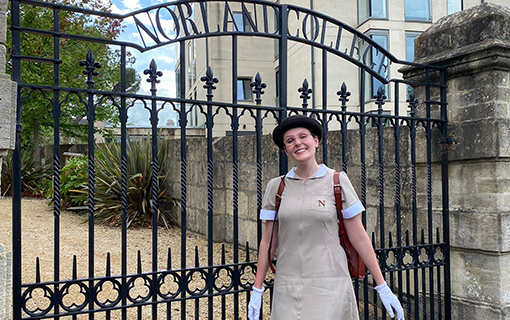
(37, 116)
(108, 188)
(32, 177)
(73, 176)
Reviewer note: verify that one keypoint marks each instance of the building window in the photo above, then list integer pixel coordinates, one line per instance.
(194, 70)
(371, 9)
(454, 6)
(417, 10)
(277, 75)
(241, 22)
(190, 62)
(410, 37)
(178, 80)
(372, 83)
(244, 90)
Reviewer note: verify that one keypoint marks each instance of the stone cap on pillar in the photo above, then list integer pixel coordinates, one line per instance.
(457, 38)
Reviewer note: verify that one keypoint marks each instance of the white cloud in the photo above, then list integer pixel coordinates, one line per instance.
(134, 4)
(165, 58)
(166, 88)
(117, 10)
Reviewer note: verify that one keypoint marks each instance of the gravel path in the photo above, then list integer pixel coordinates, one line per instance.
(37, 238)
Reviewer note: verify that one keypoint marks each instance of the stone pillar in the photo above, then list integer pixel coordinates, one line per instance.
(474, 46)
(7, 94)
(7, 142)
(5, 283)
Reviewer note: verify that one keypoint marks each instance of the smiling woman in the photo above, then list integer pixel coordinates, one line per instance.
(312, 280)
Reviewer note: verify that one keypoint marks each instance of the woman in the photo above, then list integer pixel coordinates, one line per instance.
(312, 280)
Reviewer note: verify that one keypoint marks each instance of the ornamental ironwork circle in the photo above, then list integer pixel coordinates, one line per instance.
(163, 283)
(246, 277)
(439, 255)
(70, 290)
(223, 279)
(408, 258)
(116, 289)
(424, 256)
(132, 286)
(194, 284)
(392, 259)
(33, 296)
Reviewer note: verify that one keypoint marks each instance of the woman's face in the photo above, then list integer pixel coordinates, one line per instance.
(299, 144)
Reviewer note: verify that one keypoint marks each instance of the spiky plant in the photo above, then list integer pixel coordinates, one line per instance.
(108, 187)
(32, 177)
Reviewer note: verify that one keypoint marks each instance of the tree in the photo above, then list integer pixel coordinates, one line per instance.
(37, 118)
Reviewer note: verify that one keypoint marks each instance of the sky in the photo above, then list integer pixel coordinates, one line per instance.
(164, 57)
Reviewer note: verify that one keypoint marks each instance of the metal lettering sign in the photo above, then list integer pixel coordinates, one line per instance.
(172, 22)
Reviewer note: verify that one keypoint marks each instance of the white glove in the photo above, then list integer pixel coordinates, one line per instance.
(390, 300)
(255, 303)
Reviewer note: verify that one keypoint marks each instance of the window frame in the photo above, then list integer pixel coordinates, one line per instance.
(245, 27)
(247, 81)
(368, 14)
(418, 19)
(370, 90)
(448, 6)
(409, 34)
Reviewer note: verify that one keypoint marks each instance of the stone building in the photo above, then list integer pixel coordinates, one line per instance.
(394, 24)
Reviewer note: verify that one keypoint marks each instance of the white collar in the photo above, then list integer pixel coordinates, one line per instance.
(320, 173)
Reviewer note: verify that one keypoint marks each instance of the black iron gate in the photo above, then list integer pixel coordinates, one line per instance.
(390, 137)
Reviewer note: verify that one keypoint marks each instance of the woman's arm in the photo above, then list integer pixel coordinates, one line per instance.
(361, 242)
(263, 259)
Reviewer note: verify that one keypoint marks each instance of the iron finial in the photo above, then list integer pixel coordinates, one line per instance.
(257, 86)
(305, 93)
(209, 82)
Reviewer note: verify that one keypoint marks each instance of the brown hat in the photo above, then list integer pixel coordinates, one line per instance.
(297, 121)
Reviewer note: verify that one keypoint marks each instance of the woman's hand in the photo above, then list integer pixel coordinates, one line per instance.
(255, 304)
(390, 301)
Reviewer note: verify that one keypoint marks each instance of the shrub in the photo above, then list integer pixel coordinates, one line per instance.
(32, 177)
(73, 176)
(108, 189)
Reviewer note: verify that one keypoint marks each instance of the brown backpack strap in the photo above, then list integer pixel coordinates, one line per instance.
(338, 199)
(276, 209)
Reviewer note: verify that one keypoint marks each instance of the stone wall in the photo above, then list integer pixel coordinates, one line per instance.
(223, 181)
(474, 45)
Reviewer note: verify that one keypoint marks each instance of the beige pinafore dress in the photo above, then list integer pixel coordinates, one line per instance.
(312, 280)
